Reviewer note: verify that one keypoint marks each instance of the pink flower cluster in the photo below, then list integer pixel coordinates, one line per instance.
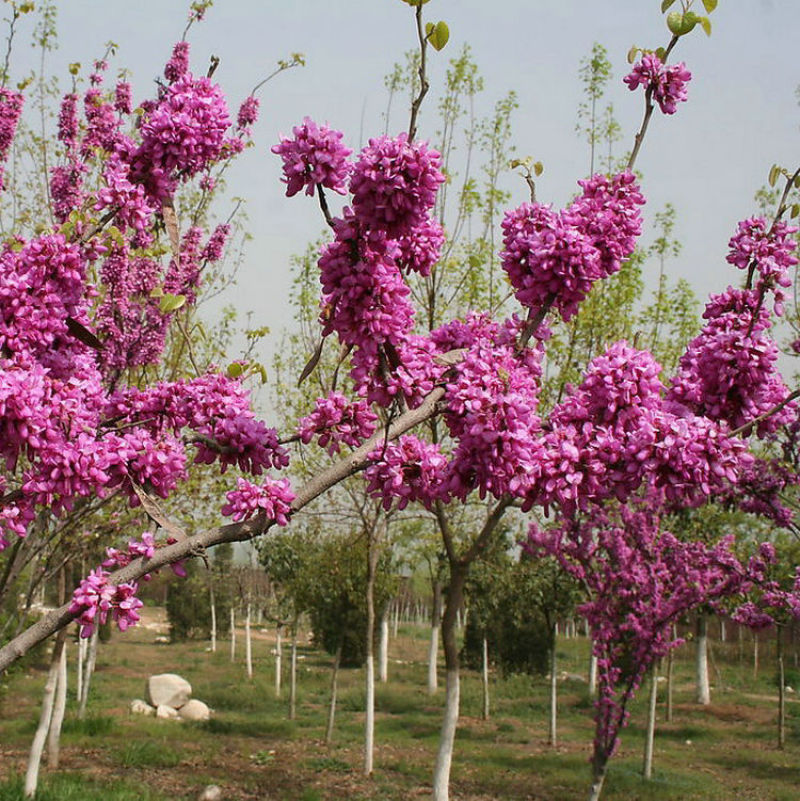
(336, 421)
(394, 184)
(553, 258)
(96, 598)
(769, 252)
(11, 103)
(666, 83)
(273, 499)
(729, 371)
(315, 156)
(406, 470)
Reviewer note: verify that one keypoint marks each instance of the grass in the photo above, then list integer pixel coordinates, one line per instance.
(252, 750)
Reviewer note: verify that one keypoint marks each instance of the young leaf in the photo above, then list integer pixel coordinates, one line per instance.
(632, 53)
(439, 36)
(538, 169)
(705, 24)
(773, 174)
(665, 4)
(709, 5)
(170, 303)
(675, 22)
(234, 370)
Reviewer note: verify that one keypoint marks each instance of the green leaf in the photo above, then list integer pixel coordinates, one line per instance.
(538, 169)
(795, 210)
(661, 53)
(774, 172)
(709, 6)
(675, 22)
(705, 24)
(439, 36)
(632, 53)
(665, 4)
(170, 303)
(235, 370)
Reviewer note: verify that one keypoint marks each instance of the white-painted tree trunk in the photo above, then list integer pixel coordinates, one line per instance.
(334, 689)
(278, 661)
(650, 734)
(755, 654)
(383, 650)
(233, 635)
(433, 653)
(213, 618)
(248, 644)
(592, 683)
(485, 679)
(369, 727)
(552, 734)
(54, 734)
(444, 757)
(395, 618)
(45, 717)
(781, 688)
(293, 676)
(701, 661)
(597, 786)
(91, 661)
(79, 663)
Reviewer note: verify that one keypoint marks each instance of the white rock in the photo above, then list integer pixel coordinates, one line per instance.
(212, 793)
(139, 707)
(168, 689)
(166, 712)
(194, 710)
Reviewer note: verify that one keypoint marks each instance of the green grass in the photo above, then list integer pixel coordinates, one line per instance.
(252, 750)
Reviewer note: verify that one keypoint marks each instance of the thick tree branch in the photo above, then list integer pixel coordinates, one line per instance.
(234, 532)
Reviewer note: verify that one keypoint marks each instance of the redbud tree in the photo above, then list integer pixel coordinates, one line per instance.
(94, 295)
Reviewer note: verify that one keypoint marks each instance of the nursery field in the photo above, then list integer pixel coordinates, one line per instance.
(253, 751)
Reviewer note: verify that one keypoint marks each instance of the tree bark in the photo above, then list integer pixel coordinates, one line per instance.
(703, 695)
(552, 733)
(433, 648)
(647, 767)
(383, 650)
(54, 734)
(233, 634)
(592, 683)
(334, 686)
(278, 661)
(293, 675)
(213, 618)
(45, 717)
(485, 679)
(89, 672)
(781, 688)
(79, 663)
(248, 644)
(755, 654)
(598, 778)
(444, 756)
(670, 663)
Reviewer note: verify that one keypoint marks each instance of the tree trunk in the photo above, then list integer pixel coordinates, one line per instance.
(485, 679)
(278, 660)
(444, 757)
(233, 635)
(592, 683)
(48, 702)
(54, 734)
(670, 662)
(433, 650)
(334, 685)
(80, 661)
(213, 618)
(293, 675)
(383, 650)
(755, 654)
(552, 734)
(647, 768)
(701, 660)
(395, 618)
(373, 551)
(89, 672)
(781, 688)
(598, 777)
(248, 644)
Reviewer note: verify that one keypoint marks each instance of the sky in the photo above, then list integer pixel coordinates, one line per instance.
(707, 160)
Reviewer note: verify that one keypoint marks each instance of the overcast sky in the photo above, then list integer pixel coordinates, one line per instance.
(707, 160)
